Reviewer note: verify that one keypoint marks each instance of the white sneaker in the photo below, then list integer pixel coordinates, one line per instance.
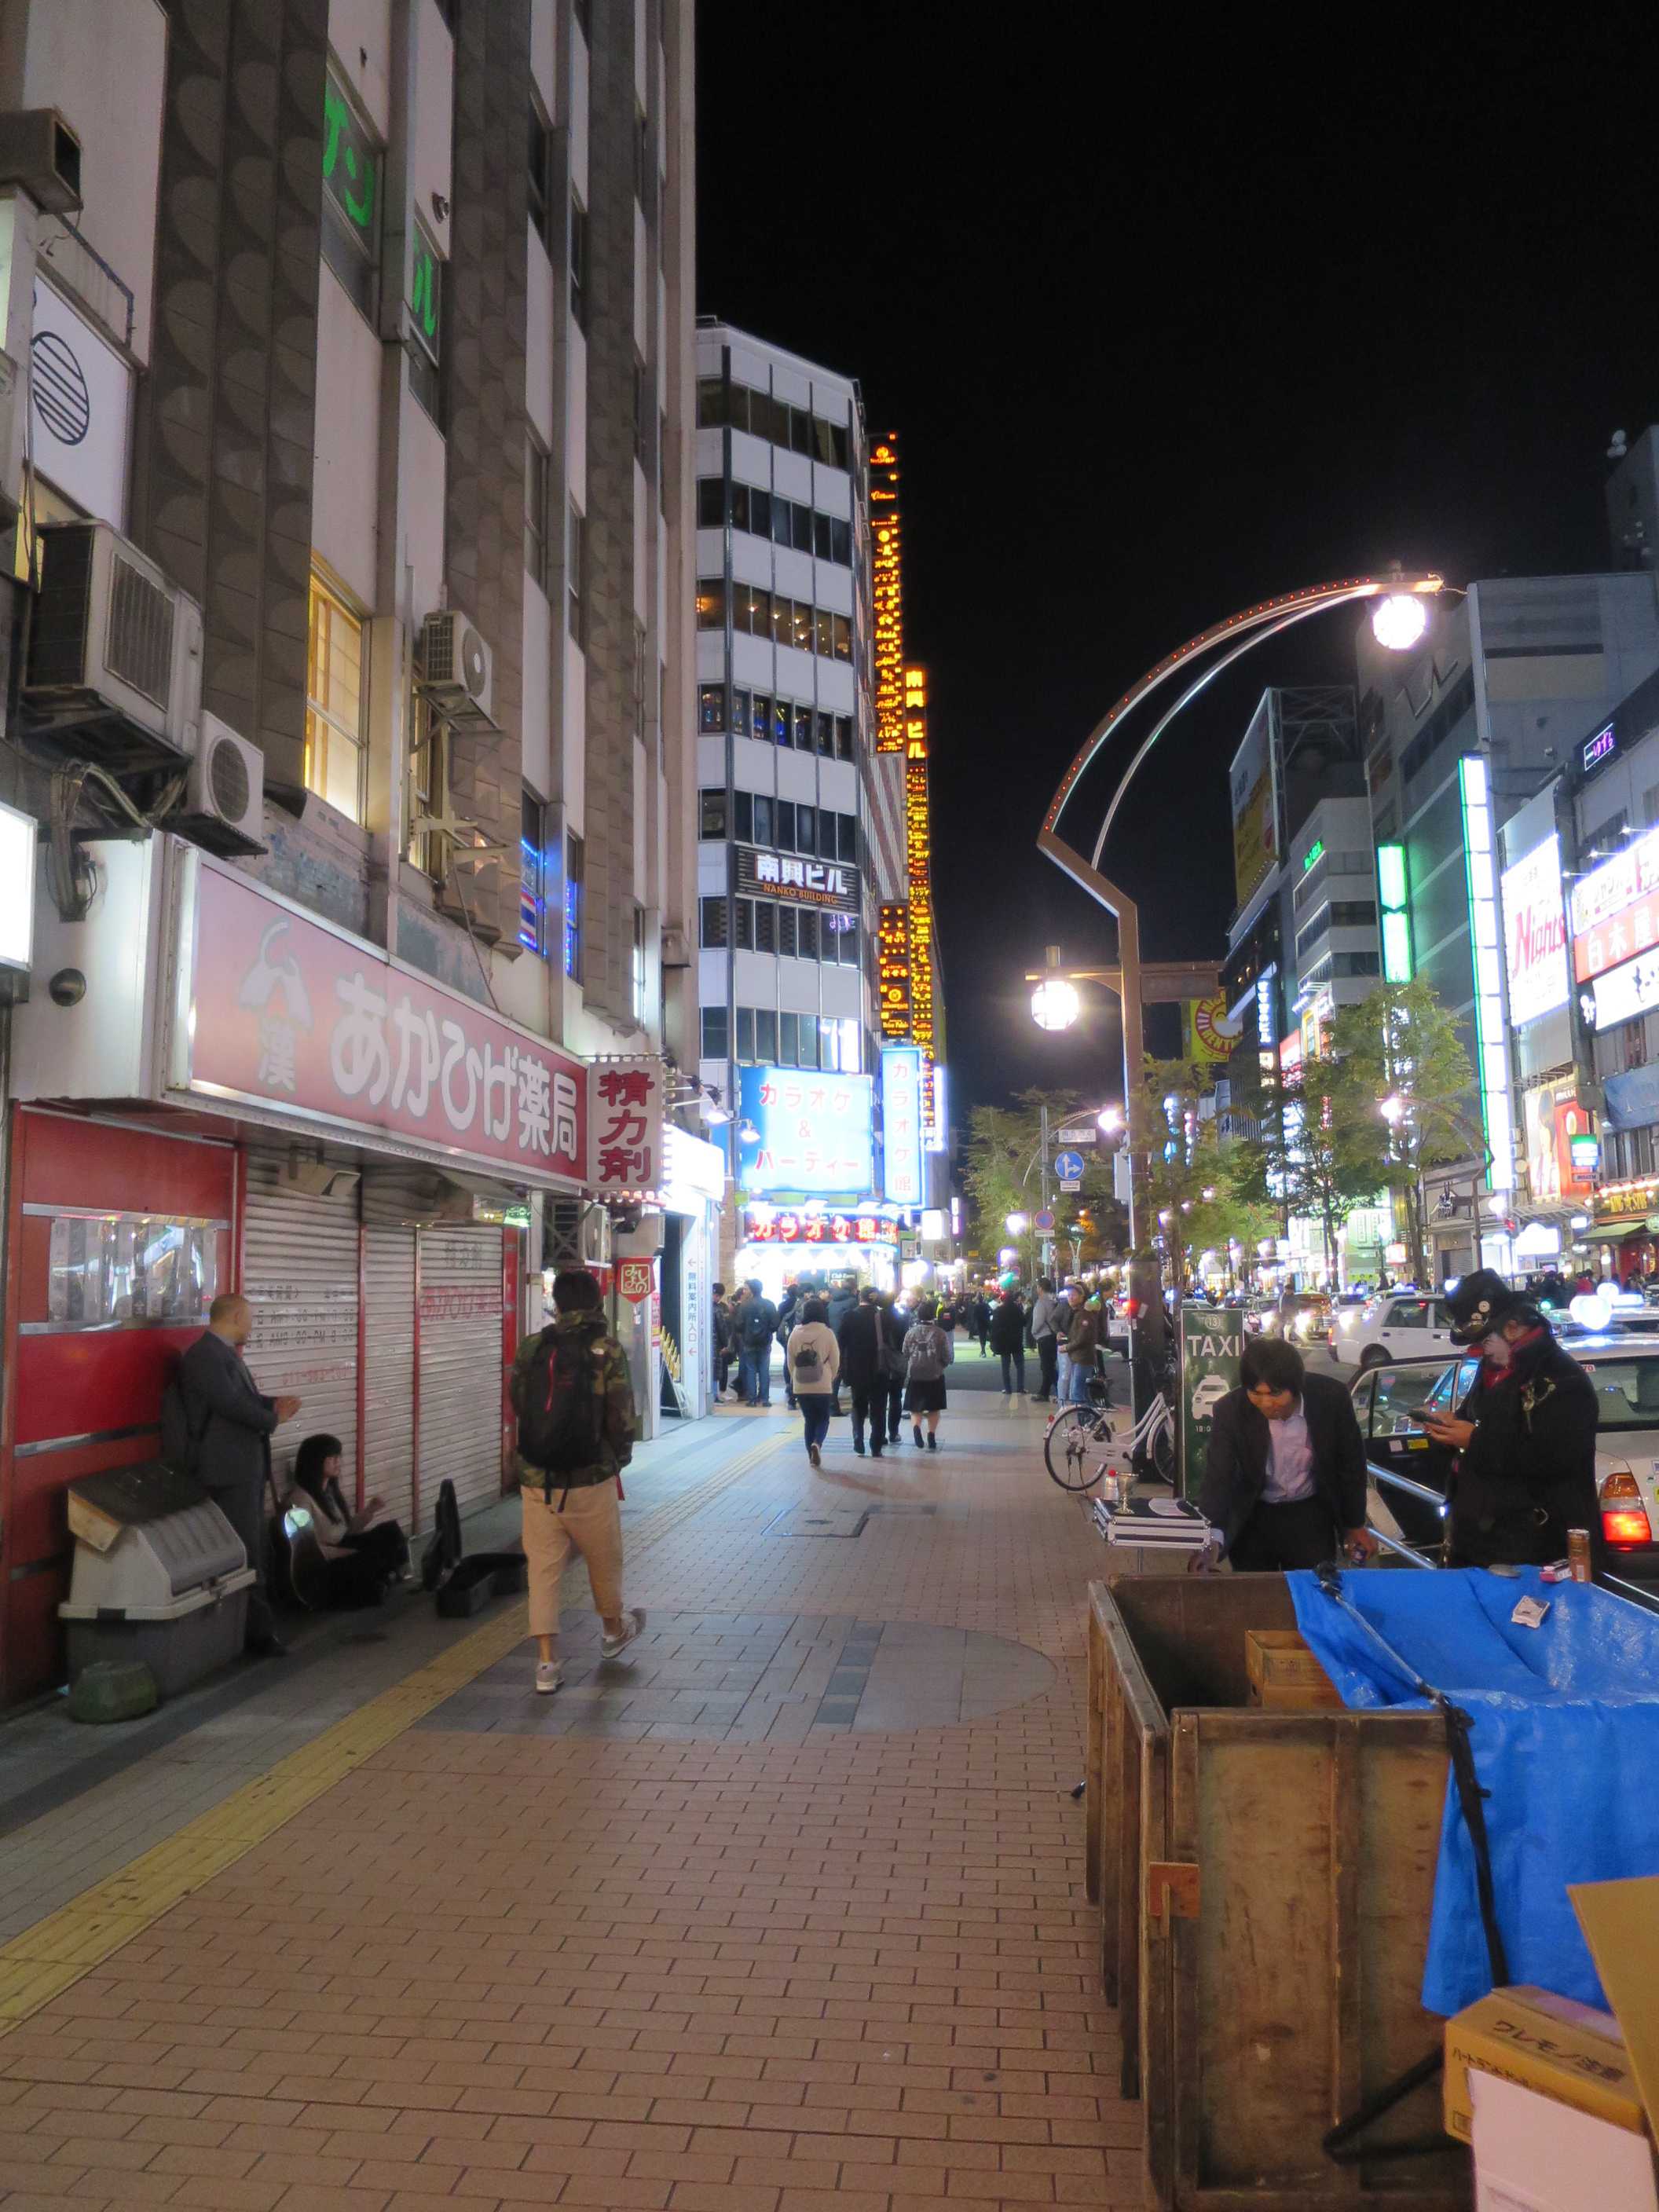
(549, 1675)
(613, 1645)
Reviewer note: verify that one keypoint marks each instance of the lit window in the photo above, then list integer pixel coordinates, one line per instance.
(575, 864)
(532, 874)
(334, 703)
(637, 967)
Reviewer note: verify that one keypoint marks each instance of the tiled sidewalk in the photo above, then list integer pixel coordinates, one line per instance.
(650, 1955)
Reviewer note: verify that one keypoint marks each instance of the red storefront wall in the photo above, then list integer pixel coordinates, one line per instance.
(101, 1385)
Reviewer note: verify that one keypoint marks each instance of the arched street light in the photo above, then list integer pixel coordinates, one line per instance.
(1398, 620)
(1056, 1004)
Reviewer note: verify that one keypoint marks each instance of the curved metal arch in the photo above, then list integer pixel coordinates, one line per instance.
(1250, 626)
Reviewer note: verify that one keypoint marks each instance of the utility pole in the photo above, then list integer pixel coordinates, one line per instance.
(1046, 1244)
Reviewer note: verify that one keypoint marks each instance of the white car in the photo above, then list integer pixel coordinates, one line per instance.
(1391, 1401)
(1400, 1325)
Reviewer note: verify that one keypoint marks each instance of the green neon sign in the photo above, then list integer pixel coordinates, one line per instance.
(1316, 853)
(351, 167)
(426, 294)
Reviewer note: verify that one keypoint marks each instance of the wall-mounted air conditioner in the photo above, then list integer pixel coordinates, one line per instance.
(458, 670)
(114, 668)
(224, 807)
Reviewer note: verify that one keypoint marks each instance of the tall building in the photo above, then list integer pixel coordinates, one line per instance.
(354, 496)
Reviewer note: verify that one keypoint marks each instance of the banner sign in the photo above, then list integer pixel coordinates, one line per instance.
(805, 882)
(809, 1134)
(1535, 933)
(764, 1226)
(625, 1103)
(1254, 787)
(1211, 1347)
(901, 1074)
(1210, 1035)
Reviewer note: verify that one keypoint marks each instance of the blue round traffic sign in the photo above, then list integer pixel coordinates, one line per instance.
(1069, 1166)
(1045, 1220)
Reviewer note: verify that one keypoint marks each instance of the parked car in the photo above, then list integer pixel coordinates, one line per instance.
(1410, 1474)
(1407, 1325)
(1300, 1317)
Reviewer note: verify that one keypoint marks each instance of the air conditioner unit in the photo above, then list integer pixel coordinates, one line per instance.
(39, 151)
(458, 670)
(114, 669)
(224, 807)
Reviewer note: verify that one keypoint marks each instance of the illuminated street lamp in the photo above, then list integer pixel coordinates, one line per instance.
(1056, 1004)
(1110, 1121)
(1017, 1223)
(1392, 1109)
(1399, 622)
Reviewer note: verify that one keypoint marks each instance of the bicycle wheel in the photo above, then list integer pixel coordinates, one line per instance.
(1076, 1447)
(1162, 1452)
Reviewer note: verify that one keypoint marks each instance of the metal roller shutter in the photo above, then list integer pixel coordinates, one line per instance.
(460, 1362)
(299, 1276)
(389, 1370)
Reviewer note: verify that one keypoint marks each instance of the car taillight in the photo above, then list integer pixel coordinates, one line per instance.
(1132, 1308)
(1624, 1516)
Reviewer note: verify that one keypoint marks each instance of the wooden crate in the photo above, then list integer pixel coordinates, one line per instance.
(1264, 1880)
(1284, 1675)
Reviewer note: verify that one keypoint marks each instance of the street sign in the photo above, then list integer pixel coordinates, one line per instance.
(1211, 1345)
(1069, 1166)
(1045, 1220)
(1084, 1133)
(1069, 1183)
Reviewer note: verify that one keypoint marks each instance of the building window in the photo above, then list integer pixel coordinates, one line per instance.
(351, 196)
(711, 708)
(426, 321)
(540, 167)
(843, 737)
(743, 816)
(578, 263)
(639, 679)
(716, 1033)
(806, 829)
(843, 638)
(535, 509)
(713, 812)
(788, 941)
(807, 934)
(785, 825)
(641, 416)
(714, 924)
(762, 818)
(752, 613)
(743, 924)
(711, 502)
(740, 712)
(766, 1034)
(428, 783)
(641, 162)
(761, 727)
(847, 845)
(636, 966)
(826, 735)
(532, 873)
(575, 576)
(766, 925)
(711, 403)
(745, 1027)
(575, 864)
(334, 703)
(711, 602)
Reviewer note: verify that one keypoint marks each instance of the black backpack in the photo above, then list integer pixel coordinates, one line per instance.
(560, 1425)
(759, 1320)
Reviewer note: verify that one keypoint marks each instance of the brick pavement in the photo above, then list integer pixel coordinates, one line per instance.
(650, 1963)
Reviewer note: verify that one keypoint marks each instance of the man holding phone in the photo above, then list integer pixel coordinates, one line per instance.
(1285, 1475)
(1524, 1435)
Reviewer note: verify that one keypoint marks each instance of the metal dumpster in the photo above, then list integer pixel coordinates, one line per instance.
(1264, 1880)
(159, 1576)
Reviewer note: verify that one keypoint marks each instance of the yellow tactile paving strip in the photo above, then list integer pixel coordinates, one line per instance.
(49, 1957)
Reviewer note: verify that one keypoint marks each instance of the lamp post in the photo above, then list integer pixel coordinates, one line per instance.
(1398, 620)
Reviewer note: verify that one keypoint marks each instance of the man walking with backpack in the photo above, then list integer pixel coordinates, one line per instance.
(571, 1391)
(757, 1323)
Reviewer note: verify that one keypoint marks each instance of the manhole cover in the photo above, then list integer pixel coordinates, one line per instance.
(833, 1520)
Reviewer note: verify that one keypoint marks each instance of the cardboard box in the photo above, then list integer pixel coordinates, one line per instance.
(1284, 1675)
(1557, 2098)
(1568, 2052)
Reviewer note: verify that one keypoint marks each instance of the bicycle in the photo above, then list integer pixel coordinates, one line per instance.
(1080, 1441)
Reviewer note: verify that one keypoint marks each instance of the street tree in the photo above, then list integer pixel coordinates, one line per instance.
(1002, 1175)
(1318, 1151)
(1404, 1071)
(1190, 1190)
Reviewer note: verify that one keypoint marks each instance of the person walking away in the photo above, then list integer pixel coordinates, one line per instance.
(789, 1306)
(980, 1322)
(361, 1553)
(1039, 1331)
(1083, 1337)
(757, 1324)
(1007, 1339)
(813, 1359)
(862, 1338)
(927, 1352)
(890, 1398)
(1284, 1475)
(719, 1327)
(1524, 1436)
(219, 1429)
(844, 1297)
(571, 1392)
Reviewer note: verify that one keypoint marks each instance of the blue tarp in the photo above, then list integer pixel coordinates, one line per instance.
(1565, 1737)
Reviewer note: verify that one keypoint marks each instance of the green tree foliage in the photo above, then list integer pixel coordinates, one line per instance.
(1192, 1189)
(1002, 1174)
(1319, 1150)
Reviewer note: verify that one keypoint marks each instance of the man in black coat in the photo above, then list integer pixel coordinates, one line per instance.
(1524, 1436)
(864, 1340)
(1285, 1475)
(229, 1422)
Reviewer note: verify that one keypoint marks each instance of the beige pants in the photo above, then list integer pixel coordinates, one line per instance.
(591, 1520)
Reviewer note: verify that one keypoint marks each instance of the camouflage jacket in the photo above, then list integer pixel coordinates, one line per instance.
(611, 1383)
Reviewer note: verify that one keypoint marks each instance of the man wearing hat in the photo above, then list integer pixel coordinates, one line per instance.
(1524, 1436)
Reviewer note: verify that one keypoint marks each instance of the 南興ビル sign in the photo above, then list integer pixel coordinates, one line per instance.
(803, 881)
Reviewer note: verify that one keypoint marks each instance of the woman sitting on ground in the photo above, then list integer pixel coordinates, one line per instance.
(359, 1559)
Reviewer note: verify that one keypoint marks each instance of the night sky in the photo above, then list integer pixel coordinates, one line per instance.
(1163, 332)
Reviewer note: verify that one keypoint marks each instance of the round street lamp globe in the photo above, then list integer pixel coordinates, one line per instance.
(1056, 1004)
(1399, 621)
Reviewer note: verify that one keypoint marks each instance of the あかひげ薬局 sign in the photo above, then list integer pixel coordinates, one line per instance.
(287, 1013)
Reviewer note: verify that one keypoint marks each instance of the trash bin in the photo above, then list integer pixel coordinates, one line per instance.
(159, 1576)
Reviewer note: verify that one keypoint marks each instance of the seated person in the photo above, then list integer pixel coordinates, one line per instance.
(357, 1560)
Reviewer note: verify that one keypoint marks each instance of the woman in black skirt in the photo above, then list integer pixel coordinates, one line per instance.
(927, 1352)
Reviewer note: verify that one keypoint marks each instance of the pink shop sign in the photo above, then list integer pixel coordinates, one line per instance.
(290, 1015)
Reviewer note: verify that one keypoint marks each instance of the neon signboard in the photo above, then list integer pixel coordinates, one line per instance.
(805, 1134)
(887, 593)
(903, 1072)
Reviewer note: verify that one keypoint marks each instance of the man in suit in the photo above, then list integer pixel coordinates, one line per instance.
(230, 1423)
(1285, 1475)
